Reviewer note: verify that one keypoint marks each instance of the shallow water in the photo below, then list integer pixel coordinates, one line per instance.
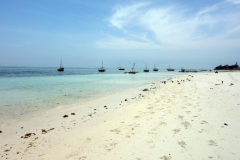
(29, 90)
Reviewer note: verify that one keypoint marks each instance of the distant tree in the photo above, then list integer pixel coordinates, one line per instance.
(220, 67)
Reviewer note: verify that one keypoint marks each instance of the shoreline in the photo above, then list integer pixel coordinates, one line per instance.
(167, 123)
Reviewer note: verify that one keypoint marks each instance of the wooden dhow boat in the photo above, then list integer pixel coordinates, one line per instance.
(102, 69)
(61, 67)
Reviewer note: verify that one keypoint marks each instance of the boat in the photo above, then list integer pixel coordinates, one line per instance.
(155, 69)
(170, 69)
(146, 70)
(61, 67)
(102, 69)
(182, 70)
(132, 71)
(193, 70)
(120, 68)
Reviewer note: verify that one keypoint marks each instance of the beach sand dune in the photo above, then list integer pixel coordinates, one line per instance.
(197, 118)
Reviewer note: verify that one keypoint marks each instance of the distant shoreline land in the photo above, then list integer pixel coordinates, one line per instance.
(227, 67)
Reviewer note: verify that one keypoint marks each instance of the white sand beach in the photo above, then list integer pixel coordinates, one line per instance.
(194, 117)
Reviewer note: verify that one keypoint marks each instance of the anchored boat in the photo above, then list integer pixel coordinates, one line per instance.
(132, 71)
(146, 70)
(170, 69)
(61, 67)
(155, 69)
(102, 69)
(120, 68)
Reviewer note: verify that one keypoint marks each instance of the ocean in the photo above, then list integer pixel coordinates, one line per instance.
(29, 90)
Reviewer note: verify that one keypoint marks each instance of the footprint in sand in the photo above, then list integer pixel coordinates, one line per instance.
(110, 147)
(117, 131)
(212, 143)
(186, 124)
(180, 117)
(82, 158)
(182, 144)
(136, 117)
(166, 157)
(149, 141)
(176, 130)
(188, 112)
(204, 122)
(88, 140)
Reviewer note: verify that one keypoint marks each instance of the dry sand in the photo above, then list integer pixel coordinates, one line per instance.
(195, 119)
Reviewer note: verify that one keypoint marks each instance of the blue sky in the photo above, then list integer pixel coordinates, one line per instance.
(192, 34)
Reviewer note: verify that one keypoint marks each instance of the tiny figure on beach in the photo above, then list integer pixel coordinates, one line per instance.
(222, 82)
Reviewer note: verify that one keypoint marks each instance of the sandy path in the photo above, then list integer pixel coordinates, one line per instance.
(178, 121)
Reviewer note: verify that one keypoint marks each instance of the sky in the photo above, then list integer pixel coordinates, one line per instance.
(180, 33)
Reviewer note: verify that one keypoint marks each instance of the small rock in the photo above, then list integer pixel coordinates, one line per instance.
(0, 131)
(65, 116)
(72, 113)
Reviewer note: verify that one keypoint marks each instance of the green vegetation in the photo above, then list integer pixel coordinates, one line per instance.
(226, 67)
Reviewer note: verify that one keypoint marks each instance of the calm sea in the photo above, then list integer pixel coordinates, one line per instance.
(27, 89)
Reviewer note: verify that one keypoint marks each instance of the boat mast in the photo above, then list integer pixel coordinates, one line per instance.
(61, 66)
(133, 66)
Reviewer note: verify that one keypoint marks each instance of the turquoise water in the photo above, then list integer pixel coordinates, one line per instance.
(28, 90)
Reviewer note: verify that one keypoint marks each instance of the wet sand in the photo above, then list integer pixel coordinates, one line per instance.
(197, 118)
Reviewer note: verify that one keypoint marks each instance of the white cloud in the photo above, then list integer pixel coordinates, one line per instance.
(125, 15)
(234, 1)
(174, 26)
(209, 9)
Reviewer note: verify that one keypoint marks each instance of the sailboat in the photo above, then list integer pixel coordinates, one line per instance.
(146, 70)
(102, 69)
(120, 68)
(133, 70)
(170, 69)
(61, 67)
(155, 69)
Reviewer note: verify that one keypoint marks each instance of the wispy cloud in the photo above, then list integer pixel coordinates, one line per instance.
(174, 25)
(234, 1)
(125, 16)
(210, 9)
